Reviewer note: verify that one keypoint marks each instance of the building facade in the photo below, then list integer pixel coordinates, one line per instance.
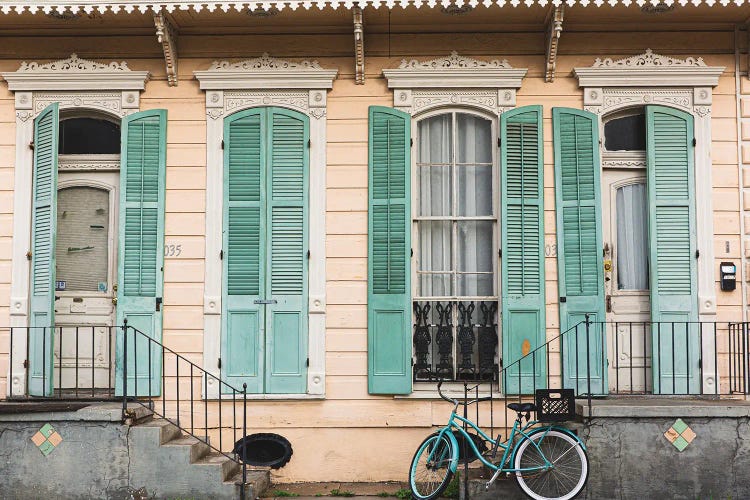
(337, 206)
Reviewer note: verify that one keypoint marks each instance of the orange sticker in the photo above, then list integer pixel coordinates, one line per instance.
(525, 347)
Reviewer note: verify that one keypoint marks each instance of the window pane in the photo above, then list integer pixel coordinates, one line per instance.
(475, 248)
(435, 285)
(474, 139)
(435, 190)
(89, 136)
(625, 134)
(435, 140)
(632, 238)
(82, 238)
(435, 249)
(474, 190)
(473, 285)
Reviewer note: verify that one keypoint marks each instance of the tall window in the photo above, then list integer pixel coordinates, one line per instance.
(455, 224)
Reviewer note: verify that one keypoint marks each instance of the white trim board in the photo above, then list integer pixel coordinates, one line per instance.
(232, 87)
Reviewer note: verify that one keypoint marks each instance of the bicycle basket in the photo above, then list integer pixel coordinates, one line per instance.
(555, 405)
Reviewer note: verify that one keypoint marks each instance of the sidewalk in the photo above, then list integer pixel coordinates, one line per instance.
(303, 491)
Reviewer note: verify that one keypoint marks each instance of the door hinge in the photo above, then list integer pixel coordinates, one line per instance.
(222, 144)
(695, 143)
(308, 254)
(411, 252)
(500, 253)
(411, 142)
(218, 363)
(697, 253)
(499, 142)
(307, 363)
(309, 143)
(31, 145)
(221, 254)
(158, 303)
(28, 255)
(25, 363)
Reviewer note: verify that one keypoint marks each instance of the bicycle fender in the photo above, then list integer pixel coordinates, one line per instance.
(542, 429)
(445, 431)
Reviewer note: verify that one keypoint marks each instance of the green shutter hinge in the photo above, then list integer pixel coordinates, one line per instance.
(695, 143)
(222, 144)
(308, 254)
(697, 253)
(307, 363)
(31, 145)
(411, 143)
(412, 253)
(500, 253)
(218, 363)
(221, 254)
(309, 143)
(28, 255)
(499, 142)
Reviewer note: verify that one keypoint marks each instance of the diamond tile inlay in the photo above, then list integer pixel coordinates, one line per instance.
(680, 435)
(46, 439)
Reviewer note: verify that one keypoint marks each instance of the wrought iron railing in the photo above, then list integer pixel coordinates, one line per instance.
(455, 340)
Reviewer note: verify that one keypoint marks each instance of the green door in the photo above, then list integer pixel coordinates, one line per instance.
(522, 214)
(43, 222)
(579, 248)
(673, 272)
(140, 250)
(265, 266)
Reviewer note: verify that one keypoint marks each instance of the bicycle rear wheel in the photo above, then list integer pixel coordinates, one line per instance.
(430, 470)
(565, 479)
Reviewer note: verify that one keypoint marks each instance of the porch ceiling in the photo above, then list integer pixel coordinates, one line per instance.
(411, 19)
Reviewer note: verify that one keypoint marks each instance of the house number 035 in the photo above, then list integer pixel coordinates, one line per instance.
(172, 250)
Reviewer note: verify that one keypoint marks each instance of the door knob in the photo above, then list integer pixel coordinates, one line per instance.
(114, 300)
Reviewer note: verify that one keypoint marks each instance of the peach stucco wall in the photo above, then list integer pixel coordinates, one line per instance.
(350, 435)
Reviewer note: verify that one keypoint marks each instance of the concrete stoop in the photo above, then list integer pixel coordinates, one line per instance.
(165, 463)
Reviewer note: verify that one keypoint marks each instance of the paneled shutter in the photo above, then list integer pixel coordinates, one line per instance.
(522, 214)
(389, 247)
(242, 339)
(579, 247)
(673, 273)
(43, 222)
(287, 193)
(140, 259)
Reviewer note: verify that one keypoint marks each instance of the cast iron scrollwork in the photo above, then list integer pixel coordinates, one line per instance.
(466, 341)
(444, 341)
(422, 340)
(488, 341)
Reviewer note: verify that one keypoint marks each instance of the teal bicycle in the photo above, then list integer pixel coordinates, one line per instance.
(548, 462)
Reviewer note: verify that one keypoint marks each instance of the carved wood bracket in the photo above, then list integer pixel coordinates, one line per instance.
(554, 29)
(167, 37)
(359, 45)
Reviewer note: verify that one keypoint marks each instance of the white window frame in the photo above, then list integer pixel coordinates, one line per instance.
(112, 89)
(261, 82)
(685, 84)
(460, 84)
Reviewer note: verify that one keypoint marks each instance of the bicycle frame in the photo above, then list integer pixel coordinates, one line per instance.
(518, 431)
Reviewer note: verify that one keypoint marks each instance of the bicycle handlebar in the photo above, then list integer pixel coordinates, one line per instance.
(457, 402)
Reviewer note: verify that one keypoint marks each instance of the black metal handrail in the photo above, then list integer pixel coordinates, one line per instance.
(130, 393)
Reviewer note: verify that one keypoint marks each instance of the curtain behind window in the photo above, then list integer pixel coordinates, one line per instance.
(632, 238)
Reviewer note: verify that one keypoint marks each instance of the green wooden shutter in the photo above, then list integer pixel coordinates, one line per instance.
(522, 214)
(242, 340)
(287, 193)
(43, 224)
(389, 247)
(143, 163)
(673, 273)
(579, 246)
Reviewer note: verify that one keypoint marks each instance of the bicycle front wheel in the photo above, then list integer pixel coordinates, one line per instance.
(430, 470)
(570, 466)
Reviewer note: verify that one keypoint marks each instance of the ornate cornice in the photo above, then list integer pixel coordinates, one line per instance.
(649, 58)
(649, 70)
(454, 71)
(75, 73)
(166, 35)
(266, 72)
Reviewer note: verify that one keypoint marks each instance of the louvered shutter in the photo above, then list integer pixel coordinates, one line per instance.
(141, 247)
(389, 246)
(242, 341)
(44, 220)
(673, 273)
(579, 246)
(522, 214)
(287, 194)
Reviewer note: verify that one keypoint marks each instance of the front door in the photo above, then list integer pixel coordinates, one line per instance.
(626, 254)
(86, 277)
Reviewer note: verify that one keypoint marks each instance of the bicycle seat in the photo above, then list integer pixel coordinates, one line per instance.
(522, 407)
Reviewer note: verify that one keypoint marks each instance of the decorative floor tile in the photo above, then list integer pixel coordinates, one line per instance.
(46, 439)
(680, 435)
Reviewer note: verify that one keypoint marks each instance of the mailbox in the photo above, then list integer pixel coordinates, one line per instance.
(728, 272)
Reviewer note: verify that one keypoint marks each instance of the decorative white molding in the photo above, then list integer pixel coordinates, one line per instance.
(88, 162)
(143, 6)
(649, 69)
(454, 71)
(554, 30)
(359, 45)
(233, 87)
(166, 35)
(266, 72)
(74, 73)
(624, 159)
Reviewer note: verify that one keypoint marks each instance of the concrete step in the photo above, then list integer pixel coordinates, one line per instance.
(165, 430)
(227, 466)
(258, 481)
(195, 447)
